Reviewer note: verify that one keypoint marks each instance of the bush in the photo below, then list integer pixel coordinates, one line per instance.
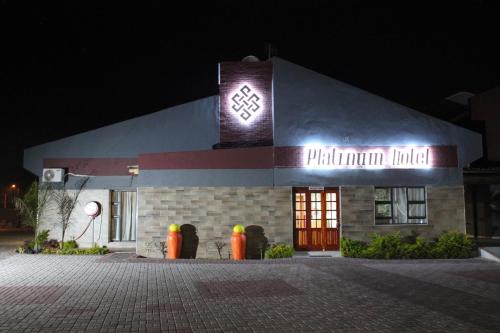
(384, 247)
(418, 250)
(29, 246)
(42, 237)
(51, 244)
(351, 248)
(453, 245)
(71, 244)
(21, 249)
(96, 250)
(279, 251)
(392, 246)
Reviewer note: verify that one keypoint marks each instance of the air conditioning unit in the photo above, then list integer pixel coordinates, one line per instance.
(53, 175)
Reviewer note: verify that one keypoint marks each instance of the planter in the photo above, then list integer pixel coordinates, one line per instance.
(238, 243)
(174, 242)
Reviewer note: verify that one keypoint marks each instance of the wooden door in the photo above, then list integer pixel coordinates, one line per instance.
(316, 219)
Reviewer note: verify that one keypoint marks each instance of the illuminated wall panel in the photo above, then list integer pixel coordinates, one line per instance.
(246, 114)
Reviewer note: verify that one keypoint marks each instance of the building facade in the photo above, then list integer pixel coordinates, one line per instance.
(306, 158)
(482, 180)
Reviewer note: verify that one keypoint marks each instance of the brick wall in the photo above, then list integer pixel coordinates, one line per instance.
(445, 211)
(234, 75)
(213, 211)
(446, 208)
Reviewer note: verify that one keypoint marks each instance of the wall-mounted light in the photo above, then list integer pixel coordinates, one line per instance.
(133, 170)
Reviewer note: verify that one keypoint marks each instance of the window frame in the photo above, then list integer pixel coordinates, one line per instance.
(416, 202)
(384, 202)
(383, 220)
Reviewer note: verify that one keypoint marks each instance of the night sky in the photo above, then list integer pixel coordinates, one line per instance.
(68, 67)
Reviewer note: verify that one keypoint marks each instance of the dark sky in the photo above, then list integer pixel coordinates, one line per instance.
(67, 67)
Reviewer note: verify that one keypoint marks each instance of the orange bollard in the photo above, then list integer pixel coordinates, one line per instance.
(238, 242)
(174, 241)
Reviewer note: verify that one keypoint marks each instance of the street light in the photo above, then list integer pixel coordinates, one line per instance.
(13, 192)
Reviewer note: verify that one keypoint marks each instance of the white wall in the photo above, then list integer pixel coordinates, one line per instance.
(79, 220)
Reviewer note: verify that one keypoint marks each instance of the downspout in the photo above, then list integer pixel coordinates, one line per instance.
(474, 210)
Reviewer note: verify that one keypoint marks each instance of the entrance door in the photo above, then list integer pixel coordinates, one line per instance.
(123, 213)
(316, 219)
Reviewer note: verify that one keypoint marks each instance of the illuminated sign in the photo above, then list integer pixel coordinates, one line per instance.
(245, 108)
(246, 103)
(367, 158)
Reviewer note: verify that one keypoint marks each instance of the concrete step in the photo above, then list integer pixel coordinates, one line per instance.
(317, 254)
(490, 252)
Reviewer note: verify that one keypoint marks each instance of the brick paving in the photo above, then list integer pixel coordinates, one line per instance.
(10, 240)
(122, 293)
(28, 295)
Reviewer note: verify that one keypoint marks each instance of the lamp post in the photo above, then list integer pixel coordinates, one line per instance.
(13, 189)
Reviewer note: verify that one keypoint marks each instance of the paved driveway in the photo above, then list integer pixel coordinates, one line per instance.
(120, 293)
(10, 240)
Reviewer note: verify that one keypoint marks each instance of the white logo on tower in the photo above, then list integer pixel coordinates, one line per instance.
(246, 103)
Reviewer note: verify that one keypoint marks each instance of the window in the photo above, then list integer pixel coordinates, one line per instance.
(400, 205)
(123, 215)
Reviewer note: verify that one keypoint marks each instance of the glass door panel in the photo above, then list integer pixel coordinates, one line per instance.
(316, 220)
(301, 219)
(331, 230)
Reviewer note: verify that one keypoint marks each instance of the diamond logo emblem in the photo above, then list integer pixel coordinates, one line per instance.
(246, 103)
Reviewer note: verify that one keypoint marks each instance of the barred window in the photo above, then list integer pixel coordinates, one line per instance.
(400, 205)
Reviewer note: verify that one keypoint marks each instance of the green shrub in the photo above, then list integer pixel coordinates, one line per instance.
(29, 245)
(42, 236)
(39, 240)
(392, 246)
(453, 245)
(49, 250)
(279, 251)
(420, 249)
(351, 248)
(96, 250)
(384, 247)
(71, 244)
